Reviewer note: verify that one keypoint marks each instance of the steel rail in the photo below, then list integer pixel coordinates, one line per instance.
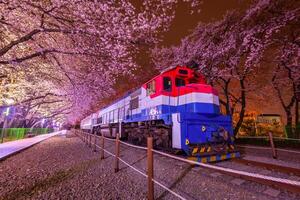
(270, 166)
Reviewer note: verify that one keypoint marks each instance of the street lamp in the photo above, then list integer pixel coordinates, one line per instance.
(6, 113)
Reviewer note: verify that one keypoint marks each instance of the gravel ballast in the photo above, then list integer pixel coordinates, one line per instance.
(66, 168)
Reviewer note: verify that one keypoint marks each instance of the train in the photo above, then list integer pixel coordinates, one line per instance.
(178, 109)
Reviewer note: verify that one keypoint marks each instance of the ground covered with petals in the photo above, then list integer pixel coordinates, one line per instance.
(64, 167)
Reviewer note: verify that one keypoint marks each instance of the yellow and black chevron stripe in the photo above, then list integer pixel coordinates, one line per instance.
(214, 158)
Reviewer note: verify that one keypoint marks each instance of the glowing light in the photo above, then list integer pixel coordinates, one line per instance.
(7, 111)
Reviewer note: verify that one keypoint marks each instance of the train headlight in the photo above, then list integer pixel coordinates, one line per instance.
(187, 141)
(203, 128)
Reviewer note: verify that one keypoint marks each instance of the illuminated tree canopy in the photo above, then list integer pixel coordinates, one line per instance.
(61, 58)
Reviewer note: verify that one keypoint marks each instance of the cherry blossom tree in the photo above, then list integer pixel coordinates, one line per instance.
(286, 76)
(62, 57)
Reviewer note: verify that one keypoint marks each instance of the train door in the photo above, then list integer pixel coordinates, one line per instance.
(167, 88)
(181, 99)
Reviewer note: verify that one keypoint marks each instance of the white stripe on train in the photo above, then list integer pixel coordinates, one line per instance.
(145, 101)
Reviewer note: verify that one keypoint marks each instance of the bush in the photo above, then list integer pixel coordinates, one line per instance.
(20, 133)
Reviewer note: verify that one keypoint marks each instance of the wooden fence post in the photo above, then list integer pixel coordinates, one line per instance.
(274, 152)
(90, 139)
(117, 153)
(86, 138)
(102, 147)
(150, 168)
(95, 140)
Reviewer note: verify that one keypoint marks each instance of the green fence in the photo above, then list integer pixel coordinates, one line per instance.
(20, 133)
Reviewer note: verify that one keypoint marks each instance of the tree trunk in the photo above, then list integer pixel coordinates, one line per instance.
(289, 122)
(297, 123)
(225, 87)
(287, 107)
(226, 92)
(243, 107)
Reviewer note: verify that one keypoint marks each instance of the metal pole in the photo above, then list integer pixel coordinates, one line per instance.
(117, 153)
(274, 152)
(102, 147)
(150, 168)
(3, 129)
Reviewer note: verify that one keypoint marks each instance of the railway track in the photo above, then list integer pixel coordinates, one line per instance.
(269, 166)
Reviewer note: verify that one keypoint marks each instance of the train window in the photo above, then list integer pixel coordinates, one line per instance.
(167, 84)
(151, 88)
(134, 103)
(99, 120)
(179, 82)
(111, 116)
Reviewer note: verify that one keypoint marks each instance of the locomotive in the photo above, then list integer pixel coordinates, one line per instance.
(178, 109)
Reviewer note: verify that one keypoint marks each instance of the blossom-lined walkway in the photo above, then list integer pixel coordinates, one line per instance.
(10, 148)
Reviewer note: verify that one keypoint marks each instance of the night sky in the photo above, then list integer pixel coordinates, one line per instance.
(184, 22)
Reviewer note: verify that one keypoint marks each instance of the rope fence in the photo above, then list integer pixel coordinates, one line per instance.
(268, 148)
(266, 137)
(290, 185)
(134, 146)
(272, 144)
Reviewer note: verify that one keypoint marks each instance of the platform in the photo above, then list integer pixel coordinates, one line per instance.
(10, 148)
